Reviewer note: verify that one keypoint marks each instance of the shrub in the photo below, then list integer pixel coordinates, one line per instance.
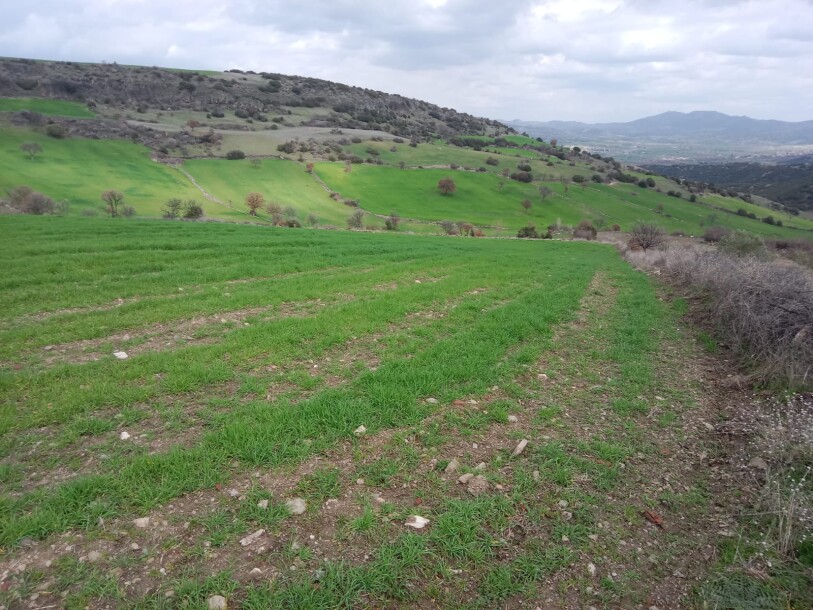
(763, 309)
(288, 148)
(522, 176)
(391, 223)
(742, 243)
(293, 223)
(449, 227)
(524, 167)
(648, 235)
(769, 220)
(356, 220)
(234, 155)
(714, 234)
(56, 131)
(172, 208)
(312, 220)
(492, 161)
(528, 232)
(616, 228)
(192, 210)
(90, 212)
(128, 211)
(585, 230)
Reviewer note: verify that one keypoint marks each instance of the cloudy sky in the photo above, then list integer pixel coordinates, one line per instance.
(589, 60)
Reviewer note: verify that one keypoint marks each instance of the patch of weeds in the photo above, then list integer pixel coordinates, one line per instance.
(221, 526)
(735, 591)
(708, 342)
(84, 582)
(321, 484)
(269, 517)
(91, 426)
(193, 588)
(465, 529)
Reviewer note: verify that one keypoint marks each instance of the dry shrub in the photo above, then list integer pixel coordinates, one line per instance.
(585, 230)
(763, 309)
(715, 234)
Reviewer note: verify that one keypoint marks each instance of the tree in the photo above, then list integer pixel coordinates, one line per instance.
(113, 200)
(172, 208)
(356, 220)
(446, 186)
(544, 192)
(648, 235)
(313, 220)
(32, 149)
(309, 168)
(192, 210)
(526, 203)
(579, 179)
(391, 223)
(254, 201)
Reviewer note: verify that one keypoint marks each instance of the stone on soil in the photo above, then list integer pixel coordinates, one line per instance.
(453, 465)
(477, 485)
(520, 447)
(216, 602)
(143, 522)
(252, 538)
(465, 478)
(121, 355)
(417, 522)
(360, 431)
(296, 506)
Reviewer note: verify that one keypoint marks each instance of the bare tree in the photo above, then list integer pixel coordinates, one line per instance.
(544, 192)
(648, 235)
(113, 200)
(32, 149)
(526, 203)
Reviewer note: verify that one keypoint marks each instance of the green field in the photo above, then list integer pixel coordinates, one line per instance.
(79, 170)
(47, 107)
(255, 355)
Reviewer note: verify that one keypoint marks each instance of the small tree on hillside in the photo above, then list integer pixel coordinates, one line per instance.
(172, 208)
(526, 203)
(32, 149)
(113, 201)
(356, 220)
(446, 186)
(648, 235)
(544, 192)
(254, 201)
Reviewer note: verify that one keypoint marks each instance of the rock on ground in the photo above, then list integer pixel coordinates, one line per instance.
(296, 506)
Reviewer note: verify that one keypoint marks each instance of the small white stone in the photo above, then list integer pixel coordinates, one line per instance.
(432, 401)
(263, 504)
(217, 602)
(520, 448)
(296, 506)
(252, 538)
(94, 556)
(124, 435)
(121, 355)
(535, 474)
(452, 466)
(142, 523)
(233, 493)
(360, 431)
(542, 377)
(591, 569)
(417, 522)
(481, 466)
(512, 419)
(563, 504)
(465, 478)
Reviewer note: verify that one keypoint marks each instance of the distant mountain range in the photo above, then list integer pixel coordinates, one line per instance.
(682, 124)
(701, 135)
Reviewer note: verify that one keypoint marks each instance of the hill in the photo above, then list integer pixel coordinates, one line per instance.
(696, 135)
(789, 184)
(165, 134)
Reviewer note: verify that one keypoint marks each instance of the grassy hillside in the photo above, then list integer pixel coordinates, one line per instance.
(47, 107)
(79, 170)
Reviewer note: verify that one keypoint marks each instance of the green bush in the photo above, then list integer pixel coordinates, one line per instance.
(234, 155)
(742, 243)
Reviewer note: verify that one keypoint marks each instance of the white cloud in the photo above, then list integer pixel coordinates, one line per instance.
(561, 59)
